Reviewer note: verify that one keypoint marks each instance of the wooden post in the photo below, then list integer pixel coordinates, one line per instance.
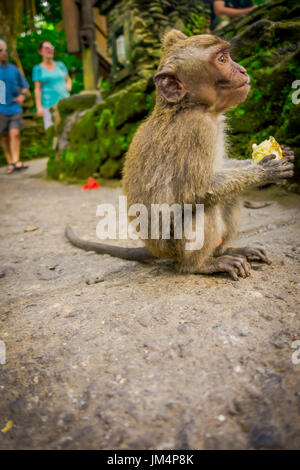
(87, 36)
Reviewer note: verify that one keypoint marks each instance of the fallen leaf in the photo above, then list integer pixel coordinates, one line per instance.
(31, 229)
(256, 204)
(8, 426)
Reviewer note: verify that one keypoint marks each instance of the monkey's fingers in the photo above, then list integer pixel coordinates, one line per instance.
(289, 154)
(283, 147)
(267, 159)
(232, 273)
(235, 266)
(263, 256)
(242, 266)
(225, 266)
(283, 171)
(259, 253)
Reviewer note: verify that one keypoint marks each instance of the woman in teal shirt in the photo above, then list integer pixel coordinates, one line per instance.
(51, 82)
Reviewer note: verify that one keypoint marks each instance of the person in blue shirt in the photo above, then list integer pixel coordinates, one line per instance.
(13, 90)
(51, 82)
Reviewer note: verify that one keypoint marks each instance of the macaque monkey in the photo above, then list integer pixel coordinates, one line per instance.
(178, 156)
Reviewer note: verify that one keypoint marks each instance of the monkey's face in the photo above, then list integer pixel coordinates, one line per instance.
(231, 80)
(199, 70)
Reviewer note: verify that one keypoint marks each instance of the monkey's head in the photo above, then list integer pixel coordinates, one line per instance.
(199, 71)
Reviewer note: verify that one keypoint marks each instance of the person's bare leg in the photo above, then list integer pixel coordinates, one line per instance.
(14, 144)
(5, 146)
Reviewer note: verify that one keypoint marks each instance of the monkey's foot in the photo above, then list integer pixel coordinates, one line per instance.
(249, 252)
(236, 266)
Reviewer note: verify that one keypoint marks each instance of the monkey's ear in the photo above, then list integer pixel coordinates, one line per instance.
(172, 37)
(169, 85)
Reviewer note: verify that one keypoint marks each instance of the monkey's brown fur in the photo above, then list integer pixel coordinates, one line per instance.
(178, 155)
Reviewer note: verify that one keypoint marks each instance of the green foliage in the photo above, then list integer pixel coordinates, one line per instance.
(197, 22)
(50, 10)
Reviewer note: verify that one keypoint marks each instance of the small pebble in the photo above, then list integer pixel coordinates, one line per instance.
(244, 331)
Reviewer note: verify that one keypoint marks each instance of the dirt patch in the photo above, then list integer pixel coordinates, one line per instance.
(145, 358)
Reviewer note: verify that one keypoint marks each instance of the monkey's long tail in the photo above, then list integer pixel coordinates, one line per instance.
(132, 254)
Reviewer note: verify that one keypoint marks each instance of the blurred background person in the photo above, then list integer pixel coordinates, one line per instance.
(11, 123)
(51, 82)
(222, 11)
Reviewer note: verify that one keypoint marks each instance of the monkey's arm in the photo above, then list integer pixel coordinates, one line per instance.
(234, 163)
(232, 181)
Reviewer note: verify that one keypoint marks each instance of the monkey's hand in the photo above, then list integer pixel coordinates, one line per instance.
(276, 171)
(288, 153)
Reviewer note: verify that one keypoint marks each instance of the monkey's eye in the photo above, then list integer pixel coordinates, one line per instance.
(222, 58)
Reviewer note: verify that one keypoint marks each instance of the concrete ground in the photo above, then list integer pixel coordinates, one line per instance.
(109, 354)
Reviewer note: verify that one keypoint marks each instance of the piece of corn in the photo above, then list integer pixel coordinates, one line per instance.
(266, 148)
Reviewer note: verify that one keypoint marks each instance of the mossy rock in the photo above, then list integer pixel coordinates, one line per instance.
(100, 138)
(126, 104)
(80, 164)
(83, 130)
(110, 169)
(76, 103)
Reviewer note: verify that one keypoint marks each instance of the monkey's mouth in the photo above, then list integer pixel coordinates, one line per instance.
(246, 82)
(227, 85)
(242, 85)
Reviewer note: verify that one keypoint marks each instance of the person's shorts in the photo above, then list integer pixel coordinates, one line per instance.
(10, 121)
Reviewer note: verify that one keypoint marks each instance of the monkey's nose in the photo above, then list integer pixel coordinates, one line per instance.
(242, 70)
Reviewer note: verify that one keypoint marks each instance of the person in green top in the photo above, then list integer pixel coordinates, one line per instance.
(51, 82)
(225, 10)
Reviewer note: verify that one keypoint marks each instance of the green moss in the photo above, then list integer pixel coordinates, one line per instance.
(83, 130)
(110, 168)
(126, 104)
(76, 103)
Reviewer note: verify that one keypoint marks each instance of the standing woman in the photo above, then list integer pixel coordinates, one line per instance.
(51, 82)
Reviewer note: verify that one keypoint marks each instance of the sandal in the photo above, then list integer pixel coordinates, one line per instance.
(10, 168)
(22, 166)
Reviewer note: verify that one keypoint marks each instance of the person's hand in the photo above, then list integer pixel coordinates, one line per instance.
(69, 86)
(40, 112)
(19, 99)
